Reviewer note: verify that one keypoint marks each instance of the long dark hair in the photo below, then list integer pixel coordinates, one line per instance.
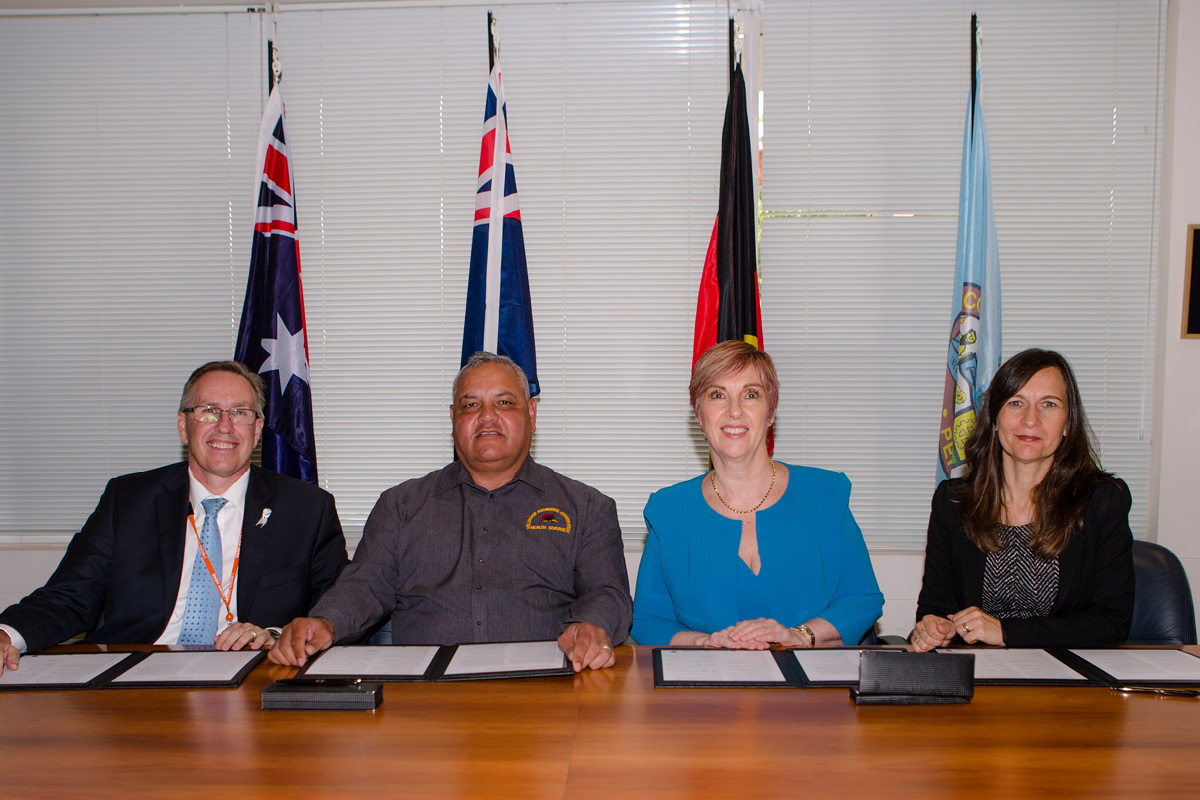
(1059, 500)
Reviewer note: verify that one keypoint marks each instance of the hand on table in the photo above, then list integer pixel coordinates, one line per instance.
(9, 656)
(724, 638)
(587, 646)
(243, 634)
(301, 638)
(766, 632)
(976, 627)
(931, 632)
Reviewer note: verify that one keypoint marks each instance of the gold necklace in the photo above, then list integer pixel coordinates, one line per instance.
(712, 479)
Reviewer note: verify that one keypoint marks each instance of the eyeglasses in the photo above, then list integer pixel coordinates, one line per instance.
(212, 414)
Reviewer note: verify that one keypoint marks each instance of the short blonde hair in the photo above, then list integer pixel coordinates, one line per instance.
(727, 358)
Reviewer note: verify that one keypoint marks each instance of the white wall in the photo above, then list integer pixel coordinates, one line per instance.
(1175, 474)
(1175, 496)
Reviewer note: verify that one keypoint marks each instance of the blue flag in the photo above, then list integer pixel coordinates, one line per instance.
(499, 316)
(973, 355)
(272, 340)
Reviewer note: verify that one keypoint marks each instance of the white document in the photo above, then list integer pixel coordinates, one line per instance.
(397, 660)
(60, 669)
(720, 666)
(205, 666)
(1019, 664)
(829, 665)
(1145, 665)
(481, 659)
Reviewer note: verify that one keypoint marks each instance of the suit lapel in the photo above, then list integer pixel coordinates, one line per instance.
(1070, 563)
(974, 561)
(254, 541)
(171, 518)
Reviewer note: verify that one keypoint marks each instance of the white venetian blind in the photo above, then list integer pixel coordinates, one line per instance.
(865, 105)
(614, 112)
(126, 159)
(126, 187)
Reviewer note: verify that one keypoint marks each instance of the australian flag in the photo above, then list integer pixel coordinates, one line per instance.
(499, 316)
(272, 339)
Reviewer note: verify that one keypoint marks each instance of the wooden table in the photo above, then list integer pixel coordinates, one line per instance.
(605, 734)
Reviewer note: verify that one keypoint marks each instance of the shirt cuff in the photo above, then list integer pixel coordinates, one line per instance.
(17, 639)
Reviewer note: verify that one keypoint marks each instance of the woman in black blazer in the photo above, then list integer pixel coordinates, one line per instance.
(1031, 548)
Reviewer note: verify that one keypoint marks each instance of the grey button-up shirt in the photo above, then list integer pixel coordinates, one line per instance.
(453, 563)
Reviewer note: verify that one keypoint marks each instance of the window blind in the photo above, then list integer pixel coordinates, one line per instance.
(865, 103)
(126, 188)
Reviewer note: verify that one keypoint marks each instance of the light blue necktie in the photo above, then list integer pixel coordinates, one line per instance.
(203, 599)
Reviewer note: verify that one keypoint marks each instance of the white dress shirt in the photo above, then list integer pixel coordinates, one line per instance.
(229, 521)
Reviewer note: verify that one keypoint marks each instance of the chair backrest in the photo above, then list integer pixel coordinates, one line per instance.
(1163, 612)
(381, 633)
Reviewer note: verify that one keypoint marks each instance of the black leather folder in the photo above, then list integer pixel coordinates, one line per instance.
(330, 695)
(898, 677)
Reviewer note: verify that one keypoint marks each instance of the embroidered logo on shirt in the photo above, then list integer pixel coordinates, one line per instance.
(551, 519)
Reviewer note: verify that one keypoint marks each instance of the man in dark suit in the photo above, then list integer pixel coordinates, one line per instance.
(207, 551)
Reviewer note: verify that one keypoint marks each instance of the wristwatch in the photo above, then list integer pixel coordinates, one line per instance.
(806, 633)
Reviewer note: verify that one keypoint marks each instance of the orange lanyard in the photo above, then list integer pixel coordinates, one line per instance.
(227, 599)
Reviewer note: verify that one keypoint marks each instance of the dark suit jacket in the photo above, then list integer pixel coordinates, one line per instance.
(1094, 604)
(119, 578)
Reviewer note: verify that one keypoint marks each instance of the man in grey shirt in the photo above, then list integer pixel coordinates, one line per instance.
(491, 548)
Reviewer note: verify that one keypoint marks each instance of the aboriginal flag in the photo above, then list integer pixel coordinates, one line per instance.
(728, 303)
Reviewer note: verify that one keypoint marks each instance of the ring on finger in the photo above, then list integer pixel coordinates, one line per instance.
(606, 647)
(253, 635)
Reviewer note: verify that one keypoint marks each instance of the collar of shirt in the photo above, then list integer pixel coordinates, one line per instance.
(530, 473)
(198, 492)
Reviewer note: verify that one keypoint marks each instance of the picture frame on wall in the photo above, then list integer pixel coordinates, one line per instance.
(1191, 286)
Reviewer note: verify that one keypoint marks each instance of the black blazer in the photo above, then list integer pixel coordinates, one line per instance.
(1094, 604)
(119, 578)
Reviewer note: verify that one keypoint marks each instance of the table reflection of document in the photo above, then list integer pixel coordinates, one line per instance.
(1145, 665)
(193, 667)
(483, 659)
(61, 670)
(720, 666)
(395, 660)
(1018, 664)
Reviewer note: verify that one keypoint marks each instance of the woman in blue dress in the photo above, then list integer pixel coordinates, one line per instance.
(754, 552)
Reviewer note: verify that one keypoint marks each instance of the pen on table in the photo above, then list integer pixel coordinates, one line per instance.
(1155, 690)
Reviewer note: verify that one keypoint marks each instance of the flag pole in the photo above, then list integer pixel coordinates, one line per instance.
(974, 62)
(270, 65)
(732, 46)
(491, 42)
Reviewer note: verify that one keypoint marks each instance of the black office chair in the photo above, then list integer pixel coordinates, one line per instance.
(1163, 612)
(380, 633)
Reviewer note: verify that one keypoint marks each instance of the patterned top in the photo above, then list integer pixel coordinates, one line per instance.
(1017, 584)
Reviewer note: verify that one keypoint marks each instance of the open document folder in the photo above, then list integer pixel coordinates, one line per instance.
(439, 662)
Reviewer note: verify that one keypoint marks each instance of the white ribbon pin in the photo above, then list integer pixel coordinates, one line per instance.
(266, 515)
